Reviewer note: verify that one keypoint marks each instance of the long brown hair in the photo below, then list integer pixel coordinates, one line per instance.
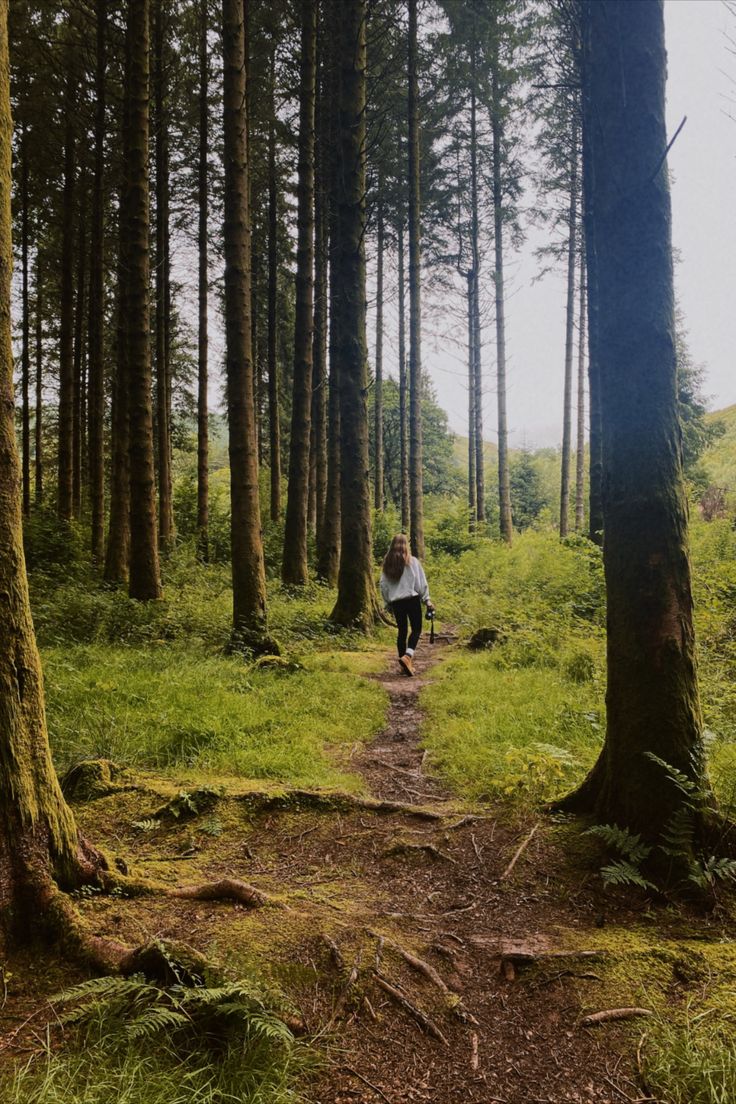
(397, 557)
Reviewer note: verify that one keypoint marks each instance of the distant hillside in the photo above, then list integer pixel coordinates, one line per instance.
(719, 460)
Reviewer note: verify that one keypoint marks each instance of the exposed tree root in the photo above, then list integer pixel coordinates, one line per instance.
(226, 889)
(519, 852)
(334, 801)
(426, 1024)
(611, 1014)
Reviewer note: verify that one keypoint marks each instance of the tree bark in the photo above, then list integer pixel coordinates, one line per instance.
(318, 446)
(504, 484)
(95, 331)
(378, 490)
(249, 577)
(79, 403)
(273, 276)
(403, 390)
(572, 251)
(163, 282)
(295, 569)
(415, 299)
(26, 331)
(203, 290)
(38, 427)
(472, 484)
(356, 604)
(595, 520)
(477, 382)
(580, 449)
(38, 837)
(65, 500)
(652, 693)
(144, 579)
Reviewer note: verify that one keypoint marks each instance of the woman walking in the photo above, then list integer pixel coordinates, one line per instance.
(404, 589)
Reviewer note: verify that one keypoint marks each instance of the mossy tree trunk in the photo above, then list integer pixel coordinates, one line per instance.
(38, 427)
(416, 489)
(25, 329)
(295, 569)
(652, 691)
(572, 235)
(144, 579)
(203, 294)
(249, 578)
(403, 387)
(39, 841)
(356, 604)
(95, 329)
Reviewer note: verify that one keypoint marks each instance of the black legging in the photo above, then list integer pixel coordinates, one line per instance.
(408, 610)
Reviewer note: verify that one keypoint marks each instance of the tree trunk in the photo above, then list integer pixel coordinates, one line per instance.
(416, 490)
(403, 390)
(163, 282)
(572, 230)
(95, 333)
(318, 446)
(38, 838)
(295, 570)
(249, 577)
(203, 289)
(273, 277)
(477, 382)
(504, 484)
(378, 491)
(595, 520)
(652, 693)
(65, 499)
(38, 427)
(26, 332)
(144, 580)
(356, 604)
(79, 365)
(472, 484)
(580, 453)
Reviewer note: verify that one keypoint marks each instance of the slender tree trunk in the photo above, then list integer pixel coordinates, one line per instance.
(356, 604)
(504, 484)
(572, 252)
(378, 491)
(273, 278)
(38, 427)
(79, 365)
(652, 704)
(479, 466)
(163, 279)
(595, 520)
(249, 577)
(203, 289)
(415, 299)
(26, 331)
(144, 580)
(580, 453)
(65, 499)
(472, 485)
(96, 365)
(403, 390)
(295, 570)
(318, 446)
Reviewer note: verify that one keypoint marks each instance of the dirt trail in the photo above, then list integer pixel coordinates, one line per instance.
(425, 973)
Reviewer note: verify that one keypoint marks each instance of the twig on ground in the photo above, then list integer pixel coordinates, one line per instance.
(418, 964)
(474, 1051)
(360, 1077)
(519, 852)
(610, 1014)
(421, 1018)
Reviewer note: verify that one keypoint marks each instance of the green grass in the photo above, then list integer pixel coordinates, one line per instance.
(167, 706)
(692, 1062)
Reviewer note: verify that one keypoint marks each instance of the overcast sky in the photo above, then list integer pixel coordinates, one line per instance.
(703, 166)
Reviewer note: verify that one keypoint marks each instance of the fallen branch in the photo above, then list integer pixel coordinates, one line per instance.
(416, 963)
(611, 1014)
(519, 852)
(421, 1018)
(474, 1051)
(360, 1077)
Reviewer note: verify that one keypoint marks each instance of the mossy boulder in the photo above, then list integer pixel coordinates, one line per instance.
(485, 638)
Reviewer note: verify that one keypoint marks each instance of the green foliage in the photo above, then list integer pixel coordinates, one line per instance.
(691, 1062)
(52, 546)
(441, 476)
(527, 495)
(137, 1043)
(628, 844)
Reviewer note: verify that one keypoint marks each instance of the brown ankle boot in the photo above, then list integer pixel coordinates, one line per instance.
(407, 664)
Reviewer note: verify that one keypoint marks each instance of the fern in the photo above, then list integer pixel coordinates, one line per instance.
(149, 824)
(684, 784)
(627, 844)
(156, 1021)
(625, 873)
(713, 870)
(678, 833)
